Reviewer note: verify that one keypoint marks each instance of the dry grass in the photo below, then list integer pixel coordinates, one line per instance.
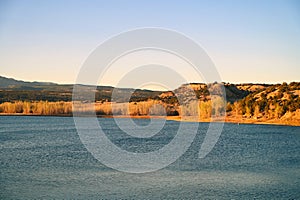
(151, 108)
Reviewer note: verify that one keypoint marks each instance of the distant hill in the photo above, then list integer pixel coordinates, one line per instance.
(14, 90)
(10, 83)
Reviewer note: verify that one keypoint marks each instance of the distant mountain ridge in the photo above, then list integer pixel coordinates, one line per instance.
(10, 83)
(13, 90)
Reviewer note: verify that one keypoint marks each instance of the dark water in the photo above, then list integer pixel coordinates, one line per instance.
(42, 157)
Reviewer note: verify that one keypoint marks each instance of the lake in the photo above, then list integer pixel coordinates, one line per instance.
(43, 157)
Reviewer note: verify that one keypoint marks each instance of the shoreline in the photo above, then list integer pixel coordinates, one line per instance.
(228, 119)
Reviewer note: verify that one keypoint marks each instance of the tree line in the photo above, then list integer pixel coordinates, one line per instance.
(37, 108)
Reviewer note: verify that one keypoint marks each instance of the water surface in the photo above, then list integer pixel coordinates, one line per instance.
(42, 157)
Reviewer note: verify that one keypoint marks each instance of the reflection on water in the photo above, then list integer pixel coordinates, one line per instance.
(42, 157)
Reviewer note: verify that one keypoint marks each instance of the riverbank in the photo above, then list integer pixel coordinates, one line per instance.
(228, 119)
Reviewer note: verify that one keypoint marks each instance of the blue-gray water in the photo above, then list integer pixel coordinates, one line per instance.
(42, 157)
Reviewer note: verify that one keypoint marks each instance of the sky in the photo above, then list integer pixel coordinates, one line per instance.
(249, 41)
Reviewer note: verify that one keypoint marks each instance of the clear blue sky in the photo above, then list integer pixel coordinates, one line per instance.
(249, 41)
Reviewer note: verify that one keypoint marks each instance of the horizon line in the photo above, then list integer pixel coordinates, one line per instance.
(192, 82)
